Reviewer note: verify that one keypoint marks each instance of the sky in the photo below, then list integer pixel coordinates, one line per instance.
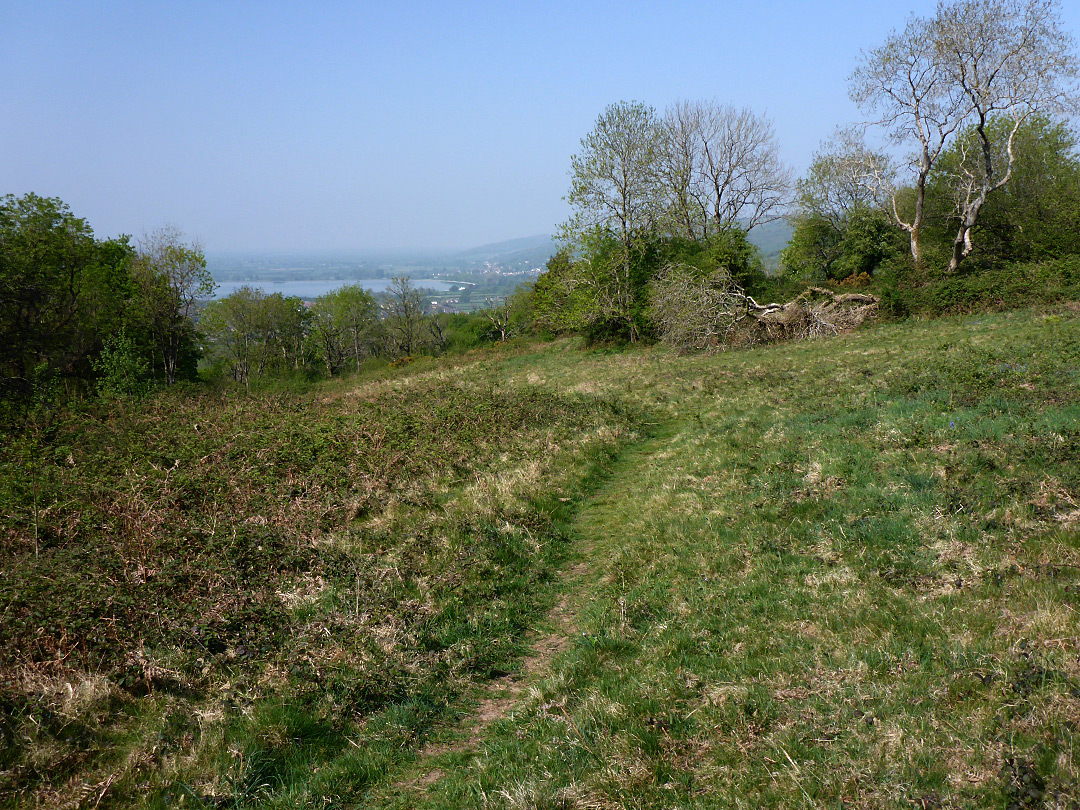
(386, 125)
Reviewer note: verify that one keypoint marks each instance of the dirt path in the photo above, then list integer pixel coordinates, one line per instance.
(502, 695)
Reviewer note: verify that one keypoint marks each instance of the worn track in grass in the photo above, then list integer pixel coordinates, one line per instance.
(595, 534)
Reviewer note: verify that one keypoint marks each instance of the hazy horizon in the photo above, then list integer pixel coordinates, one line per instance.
(414, 127)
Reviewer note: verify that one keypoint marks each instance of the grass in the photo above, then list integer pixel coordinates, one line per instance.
(836, 573)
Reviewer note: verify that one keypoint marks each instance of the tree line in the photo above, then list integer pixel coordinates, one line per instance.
(966, 162)
(73, 306)
(252, 334)
(118, 316)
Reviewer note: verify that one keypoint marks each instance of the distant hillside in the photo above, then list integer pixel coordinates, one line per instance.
(535, 250)
(770, 239)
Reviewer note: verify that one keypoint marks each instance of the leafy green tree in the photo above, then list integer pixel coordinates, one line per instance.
(841, 227)
(122, 373)
(1036, 215)
(45, 251)
(256, 334)
(63, 293)
(284, 321)
(557, 298)
(345, 326)
(171, 276)
(819, 251)
(356, 313)
(617, 199)
(815, 245)
(233, 332)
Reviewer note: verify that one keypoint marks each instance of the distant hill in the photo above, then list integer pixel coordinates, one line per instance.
(535, 250)
(770, 239)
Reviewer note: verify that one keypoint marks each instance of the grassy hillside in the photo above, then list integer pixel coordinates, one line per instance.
(836, 573)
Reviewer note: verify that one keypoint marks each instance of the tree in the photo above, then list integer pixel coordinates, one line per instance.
(974, 61)
(1010, 60)
(404, 312)
(44, 253)
(327, 336)
(345, 324)
(172, 276)
(255, 333)
(902, 82)
(1037, 214)
(232, 330)
(720, 168)
(841, 227)
(845, 176)
(557, 297)
(63, 293)
(614, 191)
(356, 312)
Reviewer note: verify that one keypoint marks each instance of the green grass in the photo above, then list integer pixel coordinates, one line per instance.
(836, 573)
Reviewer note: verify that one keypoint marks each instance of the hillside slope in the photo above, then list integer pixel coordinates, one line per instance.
(842, 572)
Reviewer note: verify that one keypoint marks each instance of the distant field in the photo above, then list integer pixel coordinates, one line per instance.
(840, 573)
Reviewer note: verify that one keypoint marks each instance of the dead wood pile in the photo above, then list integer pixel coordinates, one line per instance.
(816, 313)
(695, 313)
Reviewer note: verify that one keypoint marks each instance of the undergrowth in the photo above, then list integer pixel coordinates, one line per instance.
(181, 571)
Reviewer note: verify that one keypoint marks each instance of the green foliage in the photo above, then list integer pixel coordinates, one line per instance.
(465, 332)
(557, 301)
(1035, 216)
(171, 277)
(345, 327)
(823, 250)
(603, 292)
(727, 249)
(61, 291)
(122, 372)
(252, 335)
(1000, 288)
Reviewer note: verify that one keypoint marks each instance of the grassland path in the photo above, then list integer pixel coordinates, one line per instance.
(596, 529)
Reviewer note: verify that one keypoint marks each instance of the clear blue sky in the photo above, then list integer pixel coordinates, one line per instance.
(332, 125)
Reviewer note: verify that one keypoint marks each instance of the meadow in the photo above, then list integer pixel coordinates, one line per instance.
(837, 573)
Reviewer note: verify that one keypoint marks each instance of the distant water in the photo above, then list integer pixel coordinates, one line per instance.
(313, 288)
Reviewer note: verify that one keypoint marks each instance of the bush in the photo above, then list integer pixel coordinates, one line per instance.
(1012, 287)
(121, 371)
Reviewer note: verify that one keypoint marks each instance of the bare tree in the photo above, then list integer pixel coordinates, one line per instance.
(404, 311)
(720, 167)
(973, 61)
(499, 311)
(902, 82)
(845, 176)
(744, 180)
(1009, 60)
(679, 170)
